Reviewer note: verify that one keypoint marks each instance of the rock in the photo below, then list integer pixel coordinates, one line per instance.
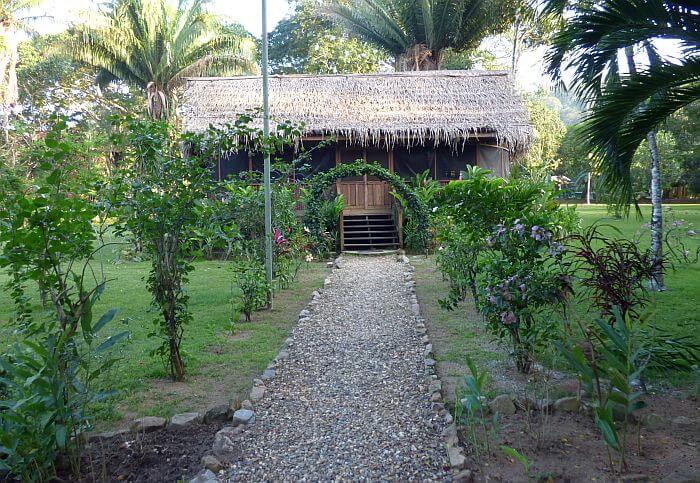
(225, 441)
(502, 404)
(183, 421)
(448, 418)
(329, 264)
(243, 416)
(464, 476)
(246, 405)
(567, 404)
(205, 476)
(450, 434)
(304, 314)
(218, 413)
(435, 386)
(619, 414)
(283, 355)
(429, 362)
(683, 422)
(108, 435)
(436, 397)
(257, 393)
(456, 457)
(268, 374)
(211, 463)
(148, 424)
(653, 421)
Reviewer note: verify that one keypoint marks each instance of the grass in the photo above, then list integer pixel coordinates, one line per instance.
(220, 365)
(461, 332)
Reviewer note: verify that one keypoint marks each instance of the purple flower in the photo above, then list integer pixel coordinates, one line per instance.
(501, 229)
(491, 299)
(508, 318)
(522, 287)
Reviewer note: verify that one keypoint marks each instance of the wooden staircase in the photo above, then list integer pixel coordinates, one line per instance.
(369, 232)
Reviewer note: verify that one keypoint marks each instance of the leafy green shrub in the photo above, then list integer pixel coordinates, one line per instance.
(250, 278)
(161, 196)
(331, 210)
(498, 241)
(521, 276)
(48, 237)
(610, 371)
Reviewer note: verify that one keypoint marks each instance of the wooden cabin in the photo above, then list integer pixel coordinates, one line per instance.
(408, 122)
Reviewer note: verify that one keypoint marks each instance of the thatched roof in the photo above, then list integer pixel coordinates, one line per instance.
(409, 107)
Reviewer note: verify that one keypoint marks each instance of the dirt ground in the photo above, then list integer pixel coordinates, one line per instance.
(150, 457)
(568, 447)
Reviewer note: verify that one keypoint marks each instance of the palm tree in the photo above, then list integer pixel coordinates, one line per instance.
(627, 108)
(418, 32)
(154, 46)
(12, 22)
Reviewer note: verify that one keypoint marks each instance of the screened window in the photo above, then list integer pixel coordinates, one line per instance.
(451, 162)
(233, 165)
(315, 160)
(492, 158)
(408, 163)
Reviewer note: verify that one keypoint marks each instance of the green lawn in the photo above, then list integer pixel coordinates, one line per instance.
(461, 333)
(220, 365)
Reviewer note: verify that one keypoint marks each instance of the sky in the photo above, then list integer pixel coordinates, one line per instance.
(246, 12)
(61, 13)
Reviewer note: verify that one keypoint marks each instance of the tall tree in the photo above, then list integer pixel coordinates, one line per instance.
(154, 46)
(12, 20)
(306, 43)
(417, 33)
(626, 108)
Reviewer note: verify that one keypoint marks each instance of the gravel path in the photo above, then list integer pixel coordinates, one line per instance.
(351, 401)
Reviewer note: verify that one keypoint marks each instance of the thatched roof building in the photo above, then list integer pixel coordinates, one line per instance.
(409, 108)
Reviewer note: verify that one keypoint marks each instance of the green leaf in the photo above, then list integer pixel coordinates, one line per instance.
(104, 320)
(111, 341)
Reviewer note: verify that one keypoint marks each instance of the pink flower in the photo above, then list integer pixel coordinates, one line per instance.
(278, 238)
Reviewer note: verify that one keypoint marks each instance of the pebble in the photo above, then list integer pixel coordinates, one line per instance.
(350, 400)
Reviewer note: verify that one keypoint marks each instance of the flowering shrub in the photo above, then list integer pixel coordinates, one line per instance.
(523, 275)
(499, 240)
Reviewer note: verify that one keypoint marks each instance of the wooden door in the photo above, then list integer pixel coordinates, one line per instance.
(364, 193)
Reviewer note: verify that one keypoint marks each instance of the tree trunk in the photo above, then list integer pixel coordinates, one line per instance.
(588, 189)
(515, 54)
(8, 81)
(657, 281)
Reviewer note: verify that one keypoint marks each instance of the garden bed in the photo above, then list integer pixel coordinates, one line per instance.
(565, 446)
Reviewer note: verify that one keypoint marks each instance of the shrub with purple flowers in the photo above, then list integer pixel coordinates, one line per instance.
(523, 279)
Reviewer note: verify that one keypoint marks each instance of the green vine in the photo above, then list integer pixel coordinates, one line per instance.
(417, 210)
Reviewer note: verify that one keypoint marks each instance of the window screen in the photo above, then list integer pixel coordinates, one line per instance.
(490, 158)
(451, 162)
(233, 164)
(409, 163)
(316, 160)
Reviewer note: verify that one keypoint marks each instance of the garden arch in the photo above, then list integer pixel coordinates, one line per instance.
(417, 210)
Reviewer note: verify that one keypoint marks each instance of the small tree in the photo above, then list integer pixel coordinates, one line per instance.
(162, 198)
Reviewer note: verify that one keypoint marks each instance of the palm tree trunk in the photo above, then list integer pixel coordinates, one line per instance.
(657, 281)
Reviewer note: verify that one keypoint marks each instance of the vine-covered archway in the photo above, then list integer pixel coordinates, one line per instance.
(417, 211)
